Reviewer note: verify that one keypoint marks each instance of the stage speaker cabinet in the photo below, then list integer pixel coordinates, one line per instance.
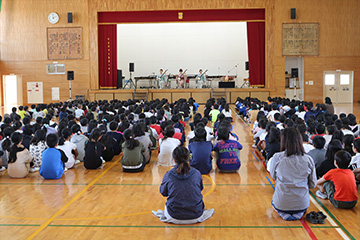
(294, 72)
(293, 13)
(70, 75)
(119, 79)
(70, 17)
(247, 66)
(131, 67)
(226, 84)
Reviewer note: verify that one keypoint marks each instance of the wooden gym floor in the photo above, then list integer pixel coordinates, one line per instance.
(110, 204)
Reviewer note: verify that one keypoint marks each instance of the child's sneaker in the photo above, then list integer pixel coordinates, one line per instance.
(321, 194)
(2, 168)
(77, 162)
(34, 169)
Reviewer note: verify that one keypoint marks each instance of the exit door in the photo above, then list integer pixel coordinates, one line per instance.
(338, 85)
(12, 91)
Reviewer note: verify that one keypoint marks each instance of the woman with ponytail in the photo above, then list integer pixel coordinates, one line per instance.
(37, 146)
(5, 144)
(182, 186)
(94, 150)
(133, 159)
(79, 139)
(19, 157)
(68, 148)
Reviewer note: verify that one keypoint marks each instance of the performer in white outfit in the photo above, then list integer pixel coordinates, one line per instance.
(162, 79)
(201, 79)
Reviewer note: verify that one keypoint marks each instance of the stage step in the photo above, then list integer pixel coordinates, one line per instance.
(218, 93)
(141, 94)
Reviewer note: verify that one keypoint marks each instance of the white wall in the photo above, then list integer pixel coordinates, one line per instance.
(216, 46)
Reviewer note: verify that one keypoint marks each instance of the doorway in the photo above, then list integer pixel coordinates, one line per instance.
(12, 91)
(338, 85)
(294, 78)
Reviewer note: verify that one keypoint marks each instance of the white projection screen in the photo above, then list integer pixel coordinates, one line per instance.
(216, 46)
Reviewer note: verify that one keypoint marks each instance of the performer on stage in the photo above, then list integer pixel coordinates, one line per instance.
(162, 79)
(181, 78)
(200, 79)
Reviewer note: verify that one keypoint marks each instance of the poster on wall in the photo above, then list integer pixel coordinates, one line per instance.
(300, 39)
(35, 92)
(55, 94)
(64, 43)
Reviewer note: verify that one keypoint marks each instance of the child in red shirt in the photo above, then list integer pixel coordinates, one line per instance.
(338, 185)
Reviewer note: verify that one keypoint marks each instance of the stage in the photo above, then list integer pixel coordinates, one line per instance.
(200, 95)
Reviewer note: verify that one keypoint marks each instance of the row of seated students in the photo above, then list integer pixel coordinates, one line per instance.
(104, 130)
(330, 143)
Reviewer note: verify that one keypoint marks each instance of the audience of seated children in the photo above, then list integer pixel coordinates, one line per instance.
(79, 139)
(37, 146)
(133, 159)
(338, 185)
(182, 186)
(294, 174)
(19, 157)
(94, 150)
(200, 151)
(227, 151)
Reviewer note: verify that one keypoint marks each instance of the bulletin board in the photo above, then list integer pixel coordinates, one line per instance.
(300, 39)
(64, 43)
(35, 92)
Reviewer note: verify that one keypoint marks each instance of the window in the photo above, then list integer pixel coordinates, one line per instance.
(329, 79)
(344, 79)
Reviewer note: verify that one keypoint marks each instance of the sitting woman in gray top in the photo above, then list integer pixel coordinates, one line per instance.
(294, 174)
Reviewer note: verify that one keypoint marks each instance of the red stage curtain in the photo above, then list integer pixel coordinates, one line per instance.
(107, 56)
(256, 50)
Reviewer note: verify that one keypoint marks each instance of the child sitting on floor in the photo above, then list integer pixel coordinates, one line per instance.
(19, 157)
(182, 186)
(200, 151)
(227, 151)
(338, 185)
(94, 150)
(53, 159)
(133, 159)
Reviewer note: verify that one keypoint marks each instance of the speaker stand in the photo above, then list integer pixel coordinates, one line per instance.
(130, 82)
(69, 100)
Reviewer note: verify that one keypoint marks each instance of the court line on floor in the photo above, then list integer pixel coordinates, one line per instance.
(169, 226)
(44, 225)
(46, 184)
(213, 186)
(123, 226)
(331, 218)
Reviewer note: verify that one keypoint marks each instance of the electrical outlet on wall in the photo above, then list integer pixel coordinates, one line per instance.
(311, 82)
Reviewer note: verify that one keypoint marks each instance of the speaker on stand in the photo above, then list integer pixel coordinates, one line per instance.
(130, 82)
(70, 77)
